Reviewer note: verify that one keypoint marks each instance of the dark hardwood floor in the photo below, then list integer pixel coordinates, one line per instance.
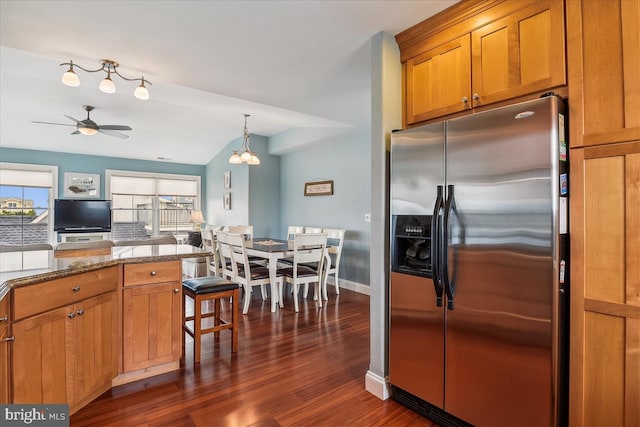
(291, 369)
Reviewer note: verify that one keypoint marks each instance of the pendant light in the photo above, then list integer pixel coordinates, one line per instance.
(244, 155)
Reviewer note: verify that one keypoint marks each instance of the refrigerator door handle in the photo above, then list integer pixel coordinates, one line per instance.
(435, 245)
(449, 286)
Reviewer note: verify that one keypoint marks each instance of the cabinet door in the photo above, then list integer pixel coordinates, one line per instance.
(4, 365)
(519, 54)
(40, 359)
(152, 325)
(605, 286)
(438, 81)
(604, 61)
(95, 346)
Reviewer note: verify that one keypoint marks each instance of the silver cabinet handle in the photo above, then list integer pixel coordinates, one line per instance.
(71, 315)
(153, 273)
(76, 288)
(11, 338)
(475, 96)
(175, 291)
(4, 318)
(464, 100)
(80, 312)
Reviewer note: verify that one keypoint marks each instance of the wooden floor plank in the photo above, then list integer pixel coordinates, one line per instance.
(291, 369)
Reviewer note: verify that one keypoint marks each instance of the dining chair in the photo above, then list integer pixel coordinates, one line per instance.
(246, 230)
(314, 230)
(210, 243)
(294, 229)
(224, 251)
(247, 274)
(335, 241)
(308, 248)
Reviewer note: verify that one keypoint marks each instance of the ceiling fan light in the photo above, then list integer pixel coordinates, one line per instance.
(235, 158)
(107, 85)
(85, 130)
(70, 78)
(141, 92)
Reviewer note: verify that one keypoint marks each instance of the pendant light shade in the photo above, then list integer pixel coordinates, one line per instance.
(107, 85)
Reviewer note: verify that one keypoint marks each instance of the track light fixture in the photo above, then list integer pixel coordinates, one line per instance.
(70, 78)
(245, 155)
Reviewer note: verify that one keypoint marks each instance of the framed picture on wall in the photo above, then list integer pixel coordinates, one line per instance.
(227, 180)
(81, 185)
(226, 201)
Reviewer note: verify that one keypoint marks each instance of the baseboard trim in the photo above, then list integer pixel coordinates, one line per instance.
(377, 386)
(349, 285)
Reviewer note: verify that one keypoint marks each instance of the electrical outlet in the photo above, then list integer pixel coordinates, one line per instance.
(367, 217)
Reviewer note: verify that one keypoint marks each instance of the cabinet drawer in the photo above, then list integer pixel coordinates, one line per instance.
(34, 299)
(152, 272)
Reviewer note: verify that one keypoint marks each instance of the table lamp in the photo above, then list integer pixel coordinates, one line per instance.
(197, 219)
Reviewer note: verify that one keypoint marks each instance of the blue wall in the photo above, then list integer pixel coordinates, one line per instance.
(255, 190)
(345, 159)
(97, 164)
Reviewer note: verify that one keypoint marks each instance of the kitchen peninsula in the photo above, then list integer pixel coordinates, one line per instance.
(73, 325)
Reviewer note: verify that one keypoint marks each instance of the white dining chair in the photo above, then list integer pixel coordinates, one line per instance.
(313, 230)
(245, 273)
(245, 230)
(210, 243)
(335, 241)
(294, 229)
(308, 248)
(224, 251)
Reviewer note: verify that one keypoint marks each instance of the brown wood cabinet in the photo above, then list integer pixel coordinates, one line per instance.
(152, 317)
(66, 355)
(603, 52)
(483, 53)
(519, 54)
(438, 82)
(605, 295)
(5, 341)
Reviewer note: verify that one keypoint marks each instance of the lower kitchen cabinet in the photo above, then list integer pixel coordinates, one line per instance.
(66, 355)
(605, 286)
(152, 315)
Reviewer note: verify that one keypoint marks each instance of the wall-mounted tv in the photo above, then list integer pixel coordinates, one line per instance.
(81, 216)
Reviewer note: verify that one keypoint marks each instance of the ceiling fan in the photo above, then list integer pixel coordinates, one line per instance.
(89, 127)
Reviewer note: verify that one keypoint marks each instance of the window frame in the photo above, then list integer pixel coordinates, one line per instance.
(53, 194)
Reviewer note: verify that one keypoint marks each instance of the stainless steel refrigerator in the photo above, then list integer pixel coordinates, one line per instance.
(479, 267)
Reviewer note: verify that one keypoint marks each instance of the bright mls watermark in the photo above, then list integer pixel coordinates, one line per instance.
(34, 415)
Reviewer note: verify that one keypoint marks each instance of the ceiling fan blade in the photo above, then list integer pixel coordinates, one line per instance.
(71, 118)
(77, 132)
(49, 123)
(115, 127)
(113, 133)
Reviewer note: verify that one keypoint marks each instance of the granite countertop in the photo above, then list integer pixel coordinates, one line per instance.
(26, 268)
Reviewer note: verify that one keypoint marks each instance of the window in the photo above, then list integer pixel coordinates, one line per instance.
(26, 198)
(150, 205)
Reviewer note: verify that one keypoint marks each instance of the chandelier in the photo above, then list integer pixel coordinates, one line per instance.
(244, 155)
(70, 78)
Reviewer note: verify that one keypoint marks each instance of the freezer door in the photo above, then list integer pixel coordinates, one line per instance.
(501, 243)
(416, 338)
(417, 168)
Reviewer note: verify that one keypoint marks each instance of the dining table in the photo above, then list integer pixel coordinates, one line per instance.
(274, 250)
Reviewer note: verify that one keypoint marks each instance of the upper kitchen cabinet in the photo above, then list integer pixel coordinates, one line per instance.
(478, 53)
(519, 54)
(603, 40)
(438, 81)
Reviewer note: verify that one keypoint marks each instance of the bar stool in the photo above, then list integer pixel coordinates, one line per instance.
(210, 288)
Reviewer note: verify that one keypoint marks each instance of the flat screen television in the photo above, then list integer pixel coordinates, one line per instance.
(81, 216)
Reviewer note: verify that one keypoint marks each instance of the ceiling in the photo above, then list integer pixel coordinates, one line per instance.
(290, 64)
